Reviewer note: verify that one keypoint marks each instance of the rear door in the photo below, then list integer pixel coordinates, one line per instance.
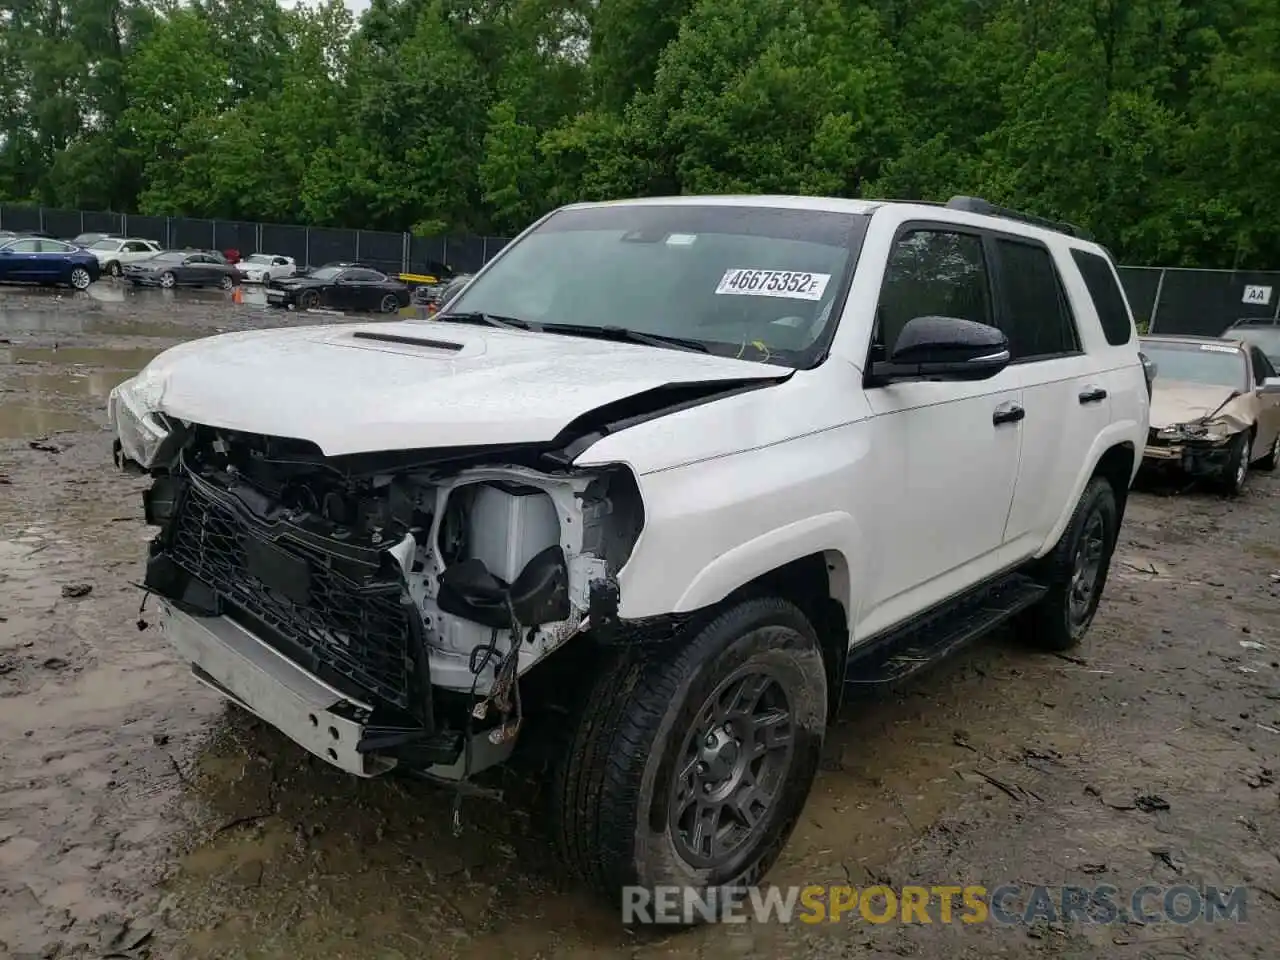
(1063, 388)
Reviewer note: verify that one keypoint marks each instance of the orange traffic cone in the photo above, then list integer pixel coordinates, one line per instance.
(237, 294)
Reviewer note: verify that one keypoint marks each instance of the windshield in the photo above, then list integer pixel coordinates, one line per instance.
(1212, 364)
(747, 281)
(104, 245)
(326, 273)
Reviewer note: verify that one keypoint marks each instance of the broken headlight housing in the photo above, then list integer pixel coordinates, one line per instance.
(140, 428)
(1213, 431)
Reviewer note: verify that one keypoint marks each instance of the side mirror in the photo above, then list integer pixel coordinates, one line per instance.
(1269, 386)
(944, 348)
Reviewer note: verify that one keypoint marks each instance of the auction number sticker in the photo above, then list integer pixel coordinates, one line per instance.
(794, 284)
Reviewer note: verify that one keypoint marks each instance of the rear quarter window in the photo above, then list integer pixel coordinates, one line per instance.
(1108, 298)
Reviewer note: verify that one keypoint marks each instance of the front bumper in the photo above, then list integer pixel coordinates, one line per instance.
(232, 661)
(1201, 458)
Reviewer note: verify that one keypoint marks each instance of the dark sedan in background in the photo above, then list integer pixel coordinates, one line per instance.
(30, 259)
(180, 268)
(341, 288)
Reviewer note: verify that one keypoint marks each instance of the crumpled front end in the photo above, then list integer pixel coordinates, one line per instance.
(378, 609)
(1197, 449)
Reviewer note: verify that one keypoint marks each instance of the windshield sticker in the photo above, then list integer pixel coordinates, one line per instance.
(681, 239)
(793, 284)
(1215, 348)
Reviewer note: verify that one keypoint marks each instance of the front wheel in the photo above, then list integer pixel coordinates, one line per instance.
(1236, 471)
(308, 300)
(1076, 572)
(168, 280)
(113, 269)
(689, 767)
(80, 278)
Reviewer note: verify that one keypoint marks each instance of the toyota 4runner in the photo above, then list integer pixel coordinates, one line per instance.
(675, 474)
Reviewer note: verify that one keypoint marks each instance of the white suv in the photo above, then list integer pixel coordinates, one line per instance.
(114, 252)
(683, 470)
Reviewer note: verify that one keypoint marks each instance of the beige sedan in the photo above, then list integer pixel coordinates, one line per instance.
(1215, 408)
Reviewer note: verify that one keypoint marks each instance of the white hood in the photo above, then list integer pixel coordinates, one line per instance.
(352, 395)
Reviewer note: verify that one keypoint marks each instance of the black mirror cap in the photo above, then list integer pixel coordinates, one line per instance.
(944, 348)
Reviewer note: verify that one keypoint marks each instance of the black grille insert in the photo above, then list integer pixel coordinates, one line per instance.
(358, 631)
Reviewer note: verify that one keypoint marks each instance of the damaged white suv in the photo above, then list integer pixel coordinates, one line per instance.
(682, 470)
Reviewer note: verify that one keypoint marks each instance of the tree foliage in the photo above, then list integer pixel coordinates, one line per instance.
(1152, 122)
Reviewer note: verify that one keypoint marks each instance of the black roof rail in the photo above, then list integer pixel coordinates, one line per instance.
(978, 205)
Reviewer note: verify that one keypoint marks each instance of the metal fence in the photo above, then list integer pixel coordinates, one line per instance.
(1205, 302)
(310, 246)
(1165, 300)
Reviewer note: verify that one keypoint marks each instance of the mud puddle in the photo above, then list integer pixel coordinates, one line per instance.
(81, 322)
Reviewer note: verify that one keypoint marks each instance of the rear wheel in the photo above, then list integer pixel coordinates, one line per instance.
(1075, 572)
(226, 282)
(80, 278)
(390, 303)
(689, 767)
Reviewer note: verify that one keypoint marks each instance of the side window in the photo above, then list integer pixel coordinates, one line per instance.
(362, 276)
(54, 246)
(25, 246)
(136, 246)
(1107, 296)
(1039, 321)
(932, 272)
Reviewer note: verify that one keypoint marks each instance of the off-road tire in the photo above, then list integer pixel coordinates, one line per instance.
(1272, 459)
(612, 791)
(1052, 623)
(1235, 474)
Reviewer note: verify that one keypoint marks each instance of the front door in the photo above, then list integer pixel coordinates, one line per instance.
(945, 453)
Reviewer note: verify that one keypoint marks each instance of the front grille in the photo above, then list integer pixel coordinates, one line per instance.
(360, 633)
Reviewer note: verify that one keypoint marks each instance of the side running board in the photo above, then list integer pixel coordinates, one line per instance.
(925, 640)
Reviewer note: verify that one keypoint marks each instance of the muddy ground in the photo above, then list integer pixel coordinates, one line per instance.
(139, 817)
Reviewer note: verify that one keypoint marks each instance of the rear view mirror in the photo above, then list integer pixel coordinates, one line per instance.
(1269, 386)
(944, 348)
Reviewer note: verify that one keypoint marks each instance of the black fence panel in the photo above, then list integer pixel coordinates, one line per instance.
(326, 245)
(426, 254)
(19, 218)
(235, 235)
(187, 233)
(464, 254)
(101, 222)
(285, 241)
(61, 223)
(494, 245)
(381, 249)
(1140, 287)
(1206, 302)
(147, 228)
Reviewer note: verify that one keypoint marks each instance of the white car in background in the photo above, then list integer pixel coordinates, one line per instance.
(260, 267)
(114, 252)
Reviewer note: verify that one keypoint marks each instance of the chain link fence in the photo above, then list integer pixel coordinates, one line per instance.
(1200, 302)
(309, 246)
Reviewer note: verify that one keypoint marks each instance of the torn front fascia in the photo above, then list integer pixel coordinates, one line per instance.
(606, 627)
(418, 743)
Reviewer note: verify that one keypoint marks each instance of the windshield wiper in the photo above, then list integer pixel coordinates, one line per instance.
(489, 319)
(625, 335)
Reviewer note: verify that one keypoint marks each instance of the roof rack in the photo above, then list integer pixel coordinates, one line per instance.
(978, 205)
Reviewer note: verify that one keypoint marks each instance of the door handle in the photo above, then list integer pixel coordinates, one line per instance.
(1093, 395)
(1010, 413)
